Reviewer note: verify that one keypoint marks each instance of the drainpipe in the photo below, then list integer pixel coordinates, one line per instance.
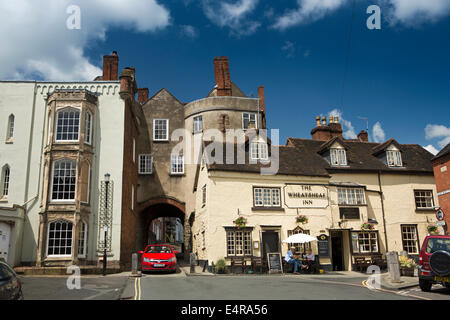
(382, 210)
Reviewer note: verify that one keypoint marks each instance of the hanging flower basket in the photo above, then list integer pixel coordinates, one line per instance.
(367, 226)
(240, 222)
(432, 229)
(301, 219)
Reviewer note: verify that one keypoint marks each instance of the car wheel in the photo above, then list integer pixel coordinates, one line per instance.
(425, 285)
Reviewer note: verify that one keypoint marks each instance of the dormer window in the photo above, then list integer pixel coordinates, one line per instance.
(338, 157)
(393, 158)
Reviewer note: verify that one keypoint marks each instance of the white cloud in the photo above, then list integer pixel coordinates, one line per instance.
(378, 133)
(349, 130)
(233, 15)
(436, 131)
(307, 11)
(431, 149)
(39, 45)
(417, 11)
(407, 12)
(189, 31)
(289, 49)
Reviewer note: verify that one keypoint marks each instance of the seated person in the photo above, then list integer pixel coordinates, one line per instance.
(311, 259)
(292, 258)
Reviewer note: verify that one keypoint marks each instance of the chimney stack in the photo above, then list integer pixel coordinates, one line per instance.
(110, 67)
(321, 131)
(142, 95)
(363, 136)
(262, 100)
(222, 75)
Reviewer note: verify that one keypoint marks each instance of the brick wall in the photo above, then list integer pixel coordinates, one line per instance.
(441, 168)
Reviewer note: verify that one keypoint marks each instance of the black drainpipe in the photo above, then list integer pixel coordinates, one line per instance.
(382, 210)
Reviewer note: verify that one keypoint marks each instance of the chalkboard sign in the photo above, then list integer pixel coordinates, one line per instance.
(323, 246)
(274, 262)
(349, 213)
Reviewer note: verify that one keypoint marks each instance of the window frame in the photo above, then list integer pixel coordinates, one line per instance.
(167, 129)
(6, 181)
(355, 195)
(58, 113)
(416, 234)
(396, 158)
(247, 242)
(359, 252)
(195, 128)
(48, 239)
(249, 119)
(204, 196)
(84, 239)
(298, 246)
(88, 129)
(10, 128)
(431, 196)
(272, 189)
(53, 180)
(172, 163)
(259, 149)
(148, 171)
(338, 154)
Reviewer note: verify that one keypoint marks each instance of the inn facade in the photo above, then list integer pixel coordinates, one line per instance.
(61, 139)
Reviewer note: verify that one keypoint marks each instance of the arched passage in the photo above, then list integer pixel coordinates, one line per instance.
(160, 220)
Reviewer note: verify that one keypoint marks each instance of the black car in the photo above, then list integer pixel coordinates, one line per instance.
(10, 285)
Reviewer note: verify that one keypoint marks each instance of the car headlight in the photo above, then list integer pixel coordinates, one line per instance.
(147, 260)
(172, 259)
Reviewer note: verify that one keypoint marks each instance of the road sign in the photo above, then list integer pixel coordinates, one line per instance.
(440, 223)
(440, 214)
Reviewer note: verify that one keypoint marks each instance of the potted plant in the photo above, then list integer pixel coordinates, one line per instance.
(221, 266)
(240, 222)
(301, 219)
(432, 229)
(407, 266)
(367, 226)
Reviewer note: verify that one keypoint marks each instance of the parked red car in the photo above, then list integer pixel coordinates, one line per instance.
(434, 262)
(159, 257)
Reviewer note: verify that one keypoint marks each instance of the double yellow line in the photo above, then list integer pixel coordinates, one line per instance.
(137, 289)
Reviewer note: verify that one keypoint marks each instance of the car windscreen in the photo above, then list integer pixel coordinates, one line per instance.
(5, 272)
(437, 244)
(158, 249)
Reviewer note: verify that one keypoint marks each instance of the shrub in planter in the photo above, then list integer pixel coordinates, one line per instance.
(407, 266)
(367, 226)
(301, 219)
(240, 222)
(221, 266)
(432, 229)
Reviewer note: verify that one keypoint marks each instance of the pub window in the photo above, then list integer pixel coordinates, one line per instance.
(267, 197)
(248, 120)
(60, 238)
(394, 158)
(338, 157)
(409, 239)
(5, 181)
(351, 196)
(424, 199)
(239, 242)
(145, 164)
(64, 180)
(160, 129)
(258, 150)
(88, 128)
(176, 164)
(198, 124)
(67, 125)
(299, 247)
(82, 240)
(10, 132)
(365, 242)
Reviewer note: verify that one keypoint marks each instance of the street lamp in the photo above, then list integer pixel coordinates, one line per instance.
(105, 227)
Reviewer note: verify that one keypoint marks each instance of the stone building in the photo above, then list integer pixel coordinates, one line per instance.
(441, 167)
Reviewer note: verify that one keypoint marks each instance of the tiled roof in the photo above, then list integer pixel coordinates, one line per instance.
(443, 152)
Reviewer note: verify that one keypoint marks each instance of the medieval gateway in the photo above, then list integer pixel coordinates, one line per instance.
(92, 165)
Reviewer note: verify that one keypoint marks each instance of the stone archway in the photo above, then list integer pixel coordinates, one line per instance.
(155, 208)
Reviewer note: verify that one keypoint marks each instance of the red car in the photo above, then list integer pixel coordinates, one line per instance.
(159, 257)
(434, 262)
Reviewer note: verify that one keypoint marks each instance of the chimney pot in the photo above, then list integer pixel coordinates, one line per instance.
(318, 121)
(330, 119)
(324, 120)
(336, 119)
(363, 136)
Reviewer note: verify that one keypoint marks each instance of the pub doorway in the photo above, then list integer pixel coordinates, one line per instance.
(270, 242)
(337, 251)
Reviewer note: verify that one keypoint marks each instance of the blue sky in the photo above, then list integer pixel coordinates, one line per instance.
(398, 76)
